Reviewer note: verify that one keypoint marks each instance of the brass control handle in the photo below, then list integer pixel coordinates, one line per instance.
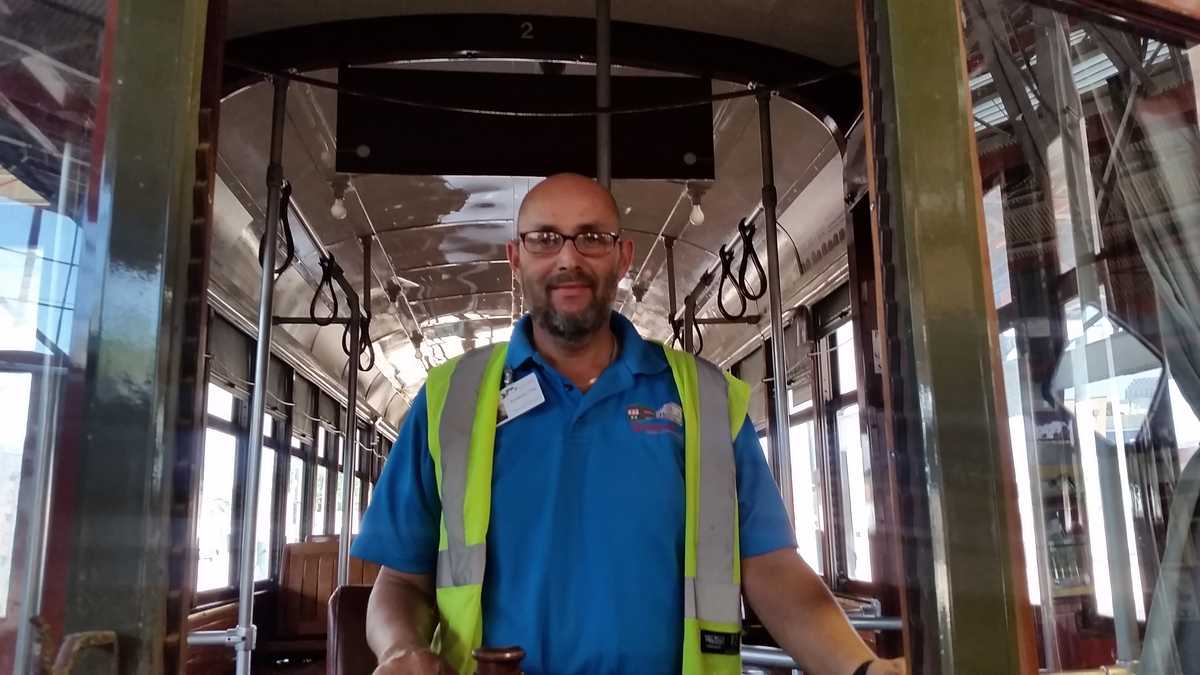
(76, 643)
(499, 660)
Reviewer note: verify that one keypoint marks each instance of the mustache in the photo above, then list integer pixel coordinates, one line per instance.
(570, 277)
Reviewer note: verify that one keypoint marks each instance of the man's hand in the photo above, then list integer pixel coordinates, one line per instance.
(888, 667)
(804, 618)
(400, 619)
(414, 662)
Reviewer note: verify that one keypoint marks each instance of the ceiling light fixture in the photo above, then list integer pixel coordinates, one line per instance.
(696, 217)
(337, 210)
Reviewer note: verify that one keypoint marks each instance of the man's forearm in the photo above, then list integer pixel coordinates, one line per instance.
(802, 615)
(401, 613)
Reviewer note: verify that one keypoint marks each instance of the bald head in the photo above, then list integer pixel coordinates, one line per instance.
(568, 191)
(569, 290)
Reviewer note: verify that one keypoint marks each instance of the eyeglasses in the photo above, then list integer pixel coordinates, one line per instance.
(549, 242)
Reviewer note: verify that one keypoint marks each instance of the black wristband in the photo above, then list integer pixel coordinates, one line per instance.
(862, 670)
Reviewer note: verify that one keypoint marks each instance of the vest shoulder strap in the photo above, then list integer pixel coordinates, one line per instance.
(737, 391)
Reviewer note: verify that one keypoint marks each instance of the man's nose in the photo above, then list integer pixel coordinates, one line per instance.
(568, 257)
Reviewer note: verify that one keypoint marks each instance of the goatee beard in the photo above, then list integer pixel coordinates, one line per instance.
(574, 328)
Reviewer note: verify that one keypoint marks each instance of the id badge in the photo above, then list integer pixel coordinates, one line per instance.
(519, 398)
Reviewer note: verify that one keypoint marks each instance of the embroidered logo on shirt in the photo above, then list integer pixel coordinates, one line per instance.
(644, 419)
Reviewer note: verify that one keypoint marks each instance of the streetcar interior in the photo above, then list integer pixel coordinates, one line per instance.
(409, 137)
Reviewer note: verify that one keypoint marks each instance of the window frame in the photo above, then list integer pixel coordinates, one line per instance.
(235, 428)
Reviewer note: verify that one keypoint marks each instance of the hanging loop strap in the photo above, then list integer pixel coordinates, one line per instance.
(749, 255)
(327, 267)
(677, 328)
(726, 254)
(364, 342)
(285, 199)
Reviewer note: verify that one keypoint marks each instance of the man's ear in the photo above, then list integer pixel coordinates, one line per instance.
(626, 253)
(512, 250)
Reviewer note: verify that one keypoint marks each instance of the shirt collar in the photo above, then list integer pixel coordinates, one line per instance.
(639, 355)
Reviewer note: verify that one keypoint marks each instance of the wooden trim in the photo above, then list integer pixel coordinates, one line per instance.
(1170, 20)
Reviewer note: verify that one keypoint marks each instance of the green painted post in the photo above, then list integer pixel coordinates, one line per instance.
(115, 552)
(965, 605)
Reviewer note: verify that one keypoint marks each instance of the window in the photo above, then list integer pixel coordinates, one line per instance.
(295, 500)
(14, 416)
(355, 500)
(264, 521)
(806, 494)
(1091, 239)
(52, 121)
(856, 493)
(220, 403)
(337, 504)
(798, 402)
(847, 358)
(319, 496)
(214, 518)
(328, 444)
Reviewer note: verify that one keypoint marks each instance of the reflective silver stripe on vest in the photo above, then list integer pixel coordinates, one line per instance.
(459, 564)
(715, 596)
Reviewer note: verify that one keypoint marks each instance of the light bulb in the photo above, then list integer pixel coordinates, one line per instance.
(697, 215)
(338, 209)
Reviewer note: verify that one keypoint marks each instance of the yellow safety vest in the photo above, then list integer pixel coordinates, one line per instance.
(714, 408)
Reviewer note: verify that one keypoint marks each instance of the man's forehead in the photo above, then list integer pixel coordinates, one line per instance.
(568, 201)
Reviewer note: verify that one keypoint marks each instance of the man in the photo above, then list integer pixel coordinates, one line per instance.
(586, 544)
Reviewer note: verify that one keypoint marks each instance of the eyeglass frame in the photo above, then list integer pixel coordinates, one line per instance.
(613, 238)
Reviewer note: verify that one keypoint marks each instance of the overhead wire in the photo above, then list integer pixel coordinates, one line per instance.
(585, 112)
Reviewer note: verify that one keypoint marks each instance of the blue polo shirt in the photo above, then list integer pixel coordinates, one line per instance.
(585, 544)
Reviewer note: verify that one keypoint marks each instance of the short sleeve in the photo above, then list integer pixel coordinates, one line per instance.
(401, 526)
(762, 520)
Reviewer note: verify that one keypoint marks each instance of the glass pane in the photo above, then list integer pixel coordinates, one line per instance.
(295, 443)
(806, 495)
(846, 358)
(337, 504)
(220, 403)
(295, 500)
(356, 501)
(214, 518)
(799, 401)
(51, 135)
(322, 482)
(1088, 174)
(858, 499)
(262, 529)
(320, 442)
(268, 426)
(14, 416)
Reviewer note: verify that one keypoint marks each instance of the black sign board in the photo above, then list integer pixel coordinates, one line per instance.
(378, 136)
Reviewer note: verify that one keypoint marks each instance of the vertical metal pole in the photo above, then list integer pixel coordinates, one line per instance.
(258, 401)
(780, 444)
(672, 306)
(689, 317)
(774, 461)
(603, 93)
(351, 442)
